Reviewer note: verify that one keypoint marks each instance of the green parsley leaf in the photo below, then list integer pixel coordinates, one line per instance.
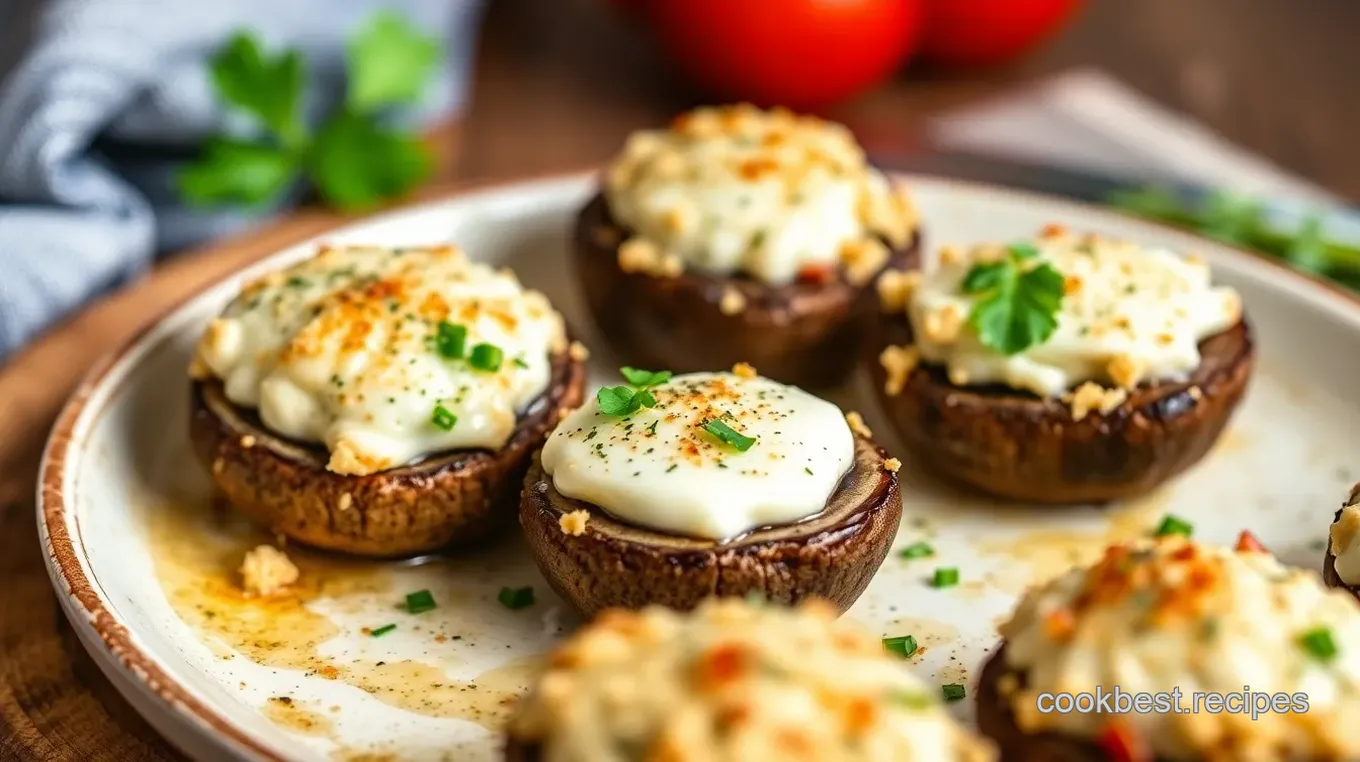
(953, 692)
(267, 88)
(1319, 644)
(356, 163)
(389, 63)
(442, 418)
(450, 340)
(617, 400)
(916, 550)
(1172, 525)
(235, 171)
(419, 602)
(378, 632)
(1018, 303)
(516, 598)
(644, 378)
(1230, 217)
(1307, 251)
(728, 434)
(487, 357)
(903, 645)
(945, 576)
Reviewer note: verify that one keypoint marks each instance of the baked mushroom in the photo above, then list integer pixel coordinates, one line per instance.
(741, 235)
(676, 489)
(732, 681)
(1341, 566)
(381, 402)
(1067, 369)
(1216, 654)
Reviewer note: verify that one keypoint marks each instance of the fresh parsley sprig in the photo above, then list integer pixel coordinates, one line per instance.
(353, 159)
(624, 400)
(1242, 221)
(1018, 300)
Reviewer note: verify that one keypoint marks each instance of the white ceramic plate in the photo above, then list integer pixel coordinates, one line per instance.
(144, 564)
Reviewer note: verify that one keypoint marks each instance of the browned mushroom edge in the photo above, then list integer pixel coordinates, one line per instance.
(832, 555)
(1329, 574)
(448, 499)
(804, 334)
(1016, 445)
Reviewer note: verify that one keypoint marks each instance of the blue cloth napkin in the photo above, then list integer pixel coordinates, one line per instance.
(102, 100)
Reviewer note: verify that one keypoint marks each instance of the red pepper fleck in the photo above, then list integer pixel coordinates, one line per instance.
(816, 274)
(722, 664)
(1247, 543)
(1122, 744)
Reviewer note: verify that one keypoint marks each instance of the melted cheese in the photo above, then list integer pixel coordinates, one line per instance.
(1170, 614)
(732, 681)
(1129, 315)
(735, 189)
(657, 468)
(340, 349)
(1344, 540)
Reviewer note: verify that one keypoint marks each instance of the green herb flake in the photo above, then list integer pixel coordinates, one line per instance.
(516, 598)
(1172, 525)
(953, 692)
(450, 340)
(378, 632)
(419, 602)
(1018, 301)
(520, 363)
(487, 357)
(945, 576)
(643, 379)
(1319, 644)
(913, 700)
(443, 418)
(903, 645)
(728, 434)
(916, 550)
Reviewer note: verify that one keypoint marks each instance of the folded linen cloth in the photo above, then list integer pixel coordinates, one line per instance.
(105, 99)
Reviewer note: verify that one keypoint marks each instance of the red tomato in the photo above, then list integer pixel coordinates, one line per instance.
(985, 32)
(1247, 543)
(802, 54)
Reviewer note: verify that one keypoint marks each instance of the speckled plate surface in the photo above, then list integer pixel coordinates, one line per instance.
(143, 561)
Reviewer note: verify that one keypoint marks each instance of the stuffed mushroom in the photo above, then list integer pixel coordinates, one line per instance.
(1341, 565)
(382, 402)
(742, 235)
(1066, 369)
(1219, 654)
(677, 488)
(733, 681)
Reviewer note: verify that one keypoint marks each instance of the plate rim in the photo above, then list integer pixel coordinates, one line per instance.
(78, 593)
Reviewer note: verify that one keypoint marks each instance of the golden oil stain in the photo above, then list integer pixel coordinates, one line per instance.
(1046, 553)
(288, 713)
(929, 633)
(197, 549)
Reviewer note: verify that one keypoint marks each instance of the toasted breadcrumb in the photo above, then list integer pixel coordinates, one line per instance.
(856, 422)
(899, 362)
(266, 571)
(1092, 396)
(248, 441)
(574, 523)
(199, 370)
(942, 325)
(895, 289)
(346, 459)
(1126, 370)
(863, 259)
(744, 370)
(1195, 393)
(345, 502)
(642, 256)
(891, 465)
(732, 301)
(578, 352)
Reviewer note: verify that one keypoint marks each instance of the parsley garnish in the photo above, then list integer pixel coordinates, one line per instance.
(904, 645)
(623, 400)
(354, 159)
(419, 602)
(443, 418)
(1018, 301)
(728, 434)
(1172, 525)
(450, 339)
(1319, 644)
(516, 598)
(487, 357)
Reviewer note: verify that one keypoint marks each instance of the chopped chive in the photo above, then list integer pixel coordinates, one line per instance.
(728, 434)
(419, 602)
(914, 700)
(1171, 525)
(516, 598)
(520, 363)
(903, 645)
(450, 339)
(1319, 644)
(916, 550)
(953, 691)
(946, 576)
(381, 631)
(807, 470)
(443, 418)
(487, 357)
(297, 281)
(672, 467)
(652, 428)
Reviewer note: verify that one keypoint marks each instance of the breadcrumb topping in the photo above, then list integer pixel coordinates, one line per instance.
(732, 302)
(267, 571)
(898, 362)
(857, 424)
(574, 523)
(1092, 396)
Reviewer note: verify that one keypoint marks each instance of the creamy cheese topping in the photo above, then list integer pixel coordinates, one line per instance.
(659, 468)
(1171, 614)
(1345, 540)
(764, 193)
(344, 349)
(1129, 314)
(733, 681)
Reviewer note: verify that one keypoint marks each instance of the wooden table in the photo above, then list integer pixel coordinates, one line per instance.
(558, 85)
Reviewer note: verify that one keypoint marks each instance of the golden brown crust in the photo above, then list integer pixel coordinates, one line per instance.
(1015, 445)
(803, 334)
(451, 498)
(832, 555)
